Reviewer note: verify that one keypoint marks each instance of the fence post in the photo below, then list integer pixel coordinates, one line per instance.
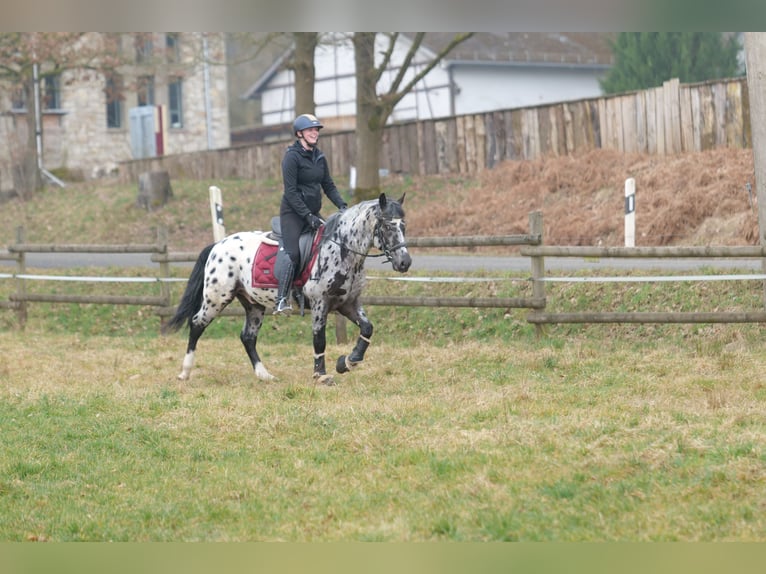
(21, 287)
(630, 212)
(538, 264)
(216, 213)
(162, 244)
(341, 334)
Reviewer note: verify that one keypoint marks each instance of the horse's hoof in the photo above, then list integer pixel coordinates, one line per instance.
(325, 379)
(344, 365)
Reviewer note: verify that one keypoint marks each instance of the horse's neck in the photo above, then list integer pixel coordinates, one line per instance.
(358, 233)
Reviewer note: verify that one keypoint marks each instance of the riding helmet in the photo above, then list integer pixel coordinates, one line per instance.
(305, 121)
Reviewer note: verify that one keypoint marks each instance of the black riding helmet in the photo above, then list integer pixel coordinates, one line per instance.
(305, 121)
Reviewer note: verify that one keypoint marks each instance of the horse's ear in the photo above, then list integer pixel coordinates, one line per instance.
(382, 201)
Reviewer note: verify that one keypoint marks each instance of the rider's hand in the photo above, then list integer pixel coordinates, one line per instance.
(314, 221)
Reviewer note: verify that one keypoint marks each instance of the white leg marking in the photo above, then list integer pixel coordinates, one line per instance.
(263, 374)
(187, 366)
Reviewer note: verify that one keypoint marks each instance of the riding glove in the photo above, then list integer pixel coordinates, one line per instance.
(314, 221)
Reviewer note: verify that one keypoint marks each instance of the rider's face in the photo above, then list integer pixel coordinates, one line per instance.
(311, 135)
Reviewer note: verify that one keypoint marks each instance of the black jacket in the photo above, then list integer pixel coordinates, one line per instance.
(305, 174)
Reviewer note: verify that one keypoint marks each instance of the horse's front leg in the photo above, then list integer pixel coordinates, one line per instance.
(347, 362)
(318, 328)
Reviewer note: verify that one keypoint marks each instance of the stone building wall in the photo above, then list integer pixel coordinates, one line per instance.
(77, 138)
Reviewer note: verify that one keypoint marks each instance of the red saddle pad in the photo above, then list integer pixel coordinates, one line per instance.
(266, 256)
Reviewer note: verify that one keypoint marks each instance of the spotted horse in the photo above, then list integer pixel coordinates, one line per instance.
(224, 272)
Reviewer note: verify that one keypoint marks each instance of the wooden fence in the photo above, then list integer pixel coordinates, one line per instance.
(20, 298)
(164, 306)
(530, 246)
(542, 317)
(672, 118)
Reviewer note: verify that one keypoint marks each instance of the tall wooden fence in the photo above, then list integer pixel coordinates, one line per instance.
(672, 118)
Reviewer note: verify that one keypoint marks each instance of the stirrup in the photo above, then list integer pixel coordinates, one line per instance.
(283, 307)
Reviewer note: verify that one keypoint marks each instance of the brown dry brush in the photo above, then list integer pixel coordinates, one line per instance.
(582, 199)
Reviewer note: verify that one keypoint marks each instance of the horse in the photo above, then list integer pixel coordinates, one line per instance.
(335, 280)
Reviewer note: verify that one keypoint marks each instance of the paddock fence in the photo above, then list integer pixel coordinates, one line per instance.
(530, 245)
(21, 297)
(707, 252)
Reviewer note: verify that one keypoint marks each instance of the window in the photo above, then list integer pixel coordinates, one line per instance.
(172, 48)
(18, 100)
(144, 48)
(114, 98)
(175, 103)
(146, 91)
(51, 92)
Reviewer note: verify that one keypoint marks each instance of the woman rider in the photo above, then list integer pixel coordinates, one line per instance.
(305, 174)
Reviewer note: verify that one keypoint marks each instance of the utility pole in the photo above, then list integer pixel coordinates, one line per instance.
(755, 58)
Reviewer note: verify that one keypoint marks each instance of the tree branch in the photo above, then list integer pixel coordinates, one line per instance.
(459, 38)
(386, 56)
(407, 61)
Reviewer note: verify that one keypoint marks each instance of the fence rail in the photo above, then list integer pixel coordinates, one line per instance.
(531, 246)
(539, 318)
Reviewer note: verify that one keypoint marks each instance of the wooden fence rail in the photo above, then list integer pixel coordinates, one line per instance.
(531, 246)
(19, 300)
(540, 318)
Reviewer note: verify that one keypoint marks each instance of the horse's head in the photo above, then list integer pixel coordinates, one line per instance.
(389, 233)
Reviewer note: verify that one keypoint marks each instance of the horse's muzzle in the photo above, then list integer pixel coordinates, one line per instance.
(402, 264)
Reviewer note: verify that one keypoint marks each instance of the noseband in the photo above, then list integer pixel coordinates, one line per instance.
(387, 249)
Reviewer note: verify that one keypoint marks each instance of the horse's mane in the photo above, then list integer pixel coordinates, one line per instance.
(334, 220)
(393, 209)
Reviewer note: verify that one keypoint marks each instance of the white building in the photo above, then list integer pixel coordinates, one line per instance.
(489, 71)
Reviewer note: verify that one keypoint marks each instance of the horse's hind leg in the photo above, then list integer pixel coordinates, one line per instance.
(196, 328)
(347, 362)
(213, 304)
(249, 337)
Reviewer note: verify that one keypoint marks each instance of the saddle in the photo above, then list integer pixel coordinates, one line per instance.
(266, 255)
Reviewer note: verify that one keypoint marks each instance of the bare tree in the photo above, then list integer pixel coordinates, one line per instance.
(374, 109)
(303, 68)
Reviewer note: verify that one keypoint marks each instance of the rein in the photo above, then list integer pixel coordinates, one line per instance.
(386, 249)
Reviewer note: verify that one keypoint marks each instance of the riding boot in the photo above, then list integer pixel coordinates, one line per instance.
(284, 270)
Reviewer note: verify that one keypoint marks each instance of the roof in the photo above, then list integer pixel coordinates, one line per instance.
(570, 48)
(586, 49)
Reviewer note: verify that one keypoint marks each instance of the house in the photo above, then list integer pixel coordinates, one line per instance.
(167, 96)
(489, 71)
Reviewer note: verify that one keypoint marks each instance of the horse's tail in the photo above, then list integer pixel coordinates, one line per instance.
(192, 297)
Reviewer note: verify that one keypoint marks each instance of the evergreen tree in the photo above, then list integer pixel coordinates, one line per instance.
(647, 59)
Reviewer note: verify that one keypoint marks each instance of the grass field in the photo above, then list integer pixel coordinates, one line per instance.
(460, 425)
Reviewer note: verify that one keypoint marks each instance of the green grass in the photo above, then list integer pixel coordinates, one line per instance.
(461, 425)
(477, 441)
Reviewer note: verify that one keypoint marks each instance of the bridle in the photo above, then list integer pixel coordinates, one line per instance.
(387, 250)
